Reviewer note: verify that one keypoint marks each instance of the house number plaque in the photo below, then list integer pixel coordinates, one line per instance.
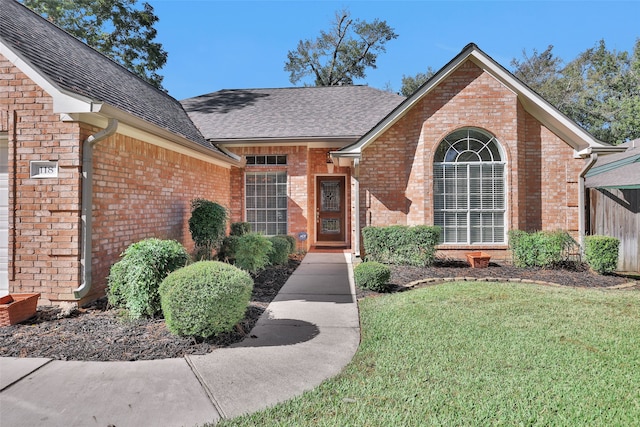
(44, 169)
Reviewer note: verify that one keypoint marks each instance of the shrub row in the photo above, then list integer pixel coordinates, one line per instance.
(541, 248)
(601, 253)
(401, 245)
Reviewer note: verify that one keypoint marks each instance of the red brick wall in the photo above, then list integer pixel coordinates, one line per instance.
(303, 165)
(396, 170)
(141, 191)
(44, 214)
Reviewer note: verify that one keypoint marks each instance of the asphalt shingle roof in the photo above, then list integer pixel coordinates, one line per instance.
(74, 67)
(290, 113)
(620, 170)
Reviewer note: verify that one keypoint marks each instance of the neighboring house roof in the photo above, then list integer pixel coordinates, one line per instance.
(551, 117)
(300, 113)
(85, 79)
(620, 170)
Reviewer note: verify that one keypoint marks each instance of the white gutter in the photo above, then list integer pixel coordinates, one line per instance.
(581, 198)
(87, 204)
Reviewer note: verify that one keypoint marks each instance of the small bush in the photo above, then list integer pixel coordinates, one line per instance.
(279, 254)
(372, 275)
(205, 298)
(228, 249)
(545, 249)
(252, 253)
(291, 240)
(240, 228)
(601, 253)
(402, 245)
(134, 280)
(208, 224)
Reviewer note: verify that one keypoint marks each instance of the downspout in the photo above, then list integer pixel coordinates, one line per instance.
(356, 219)
(87, 204)
(593, 157)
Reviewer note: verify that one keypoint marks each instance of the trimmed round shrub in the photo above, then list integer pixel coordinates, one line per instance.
(372, 275)
(205, 298)
(208, 224)
(291, 240)
(134, 280)
(280, 250)
(601, 253)
(252, 253)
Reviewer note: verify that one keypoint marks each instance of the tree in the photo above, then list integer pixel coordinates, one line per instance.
(411, 84)
(117, 28)
(599, 89)
(341, 55)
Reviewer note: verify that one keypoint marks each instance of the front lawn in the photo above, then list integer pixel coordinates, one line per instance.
(478, 353)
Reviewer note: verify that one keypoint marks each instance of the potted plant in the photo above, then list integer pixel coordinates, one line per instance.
(16, 308)
(478, 259)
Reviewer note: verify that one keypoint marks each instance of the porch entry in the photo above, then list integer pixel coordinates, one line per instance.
(330, 210)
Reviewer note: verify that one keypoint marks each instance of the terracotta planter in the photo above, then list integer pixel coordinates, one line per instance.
(16, 308)
(478, 259)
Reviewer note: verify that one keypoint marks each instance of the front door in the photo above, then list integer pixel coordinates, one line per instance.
(330, 201)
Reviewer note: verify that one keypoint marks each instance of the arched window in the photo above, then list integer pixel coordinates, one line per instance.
(469, 189)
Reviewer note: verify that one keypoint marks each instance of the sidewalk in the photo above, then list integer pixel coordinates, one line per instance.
(309, 332)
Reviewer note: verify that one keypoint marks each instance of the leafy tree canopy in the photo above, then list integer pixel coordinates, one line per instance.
(599, 89)
(411, 83)
(117, 28)
(342, 54)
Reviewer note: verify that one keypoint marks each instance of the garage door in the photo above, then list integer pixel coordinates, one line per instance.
(4, 215)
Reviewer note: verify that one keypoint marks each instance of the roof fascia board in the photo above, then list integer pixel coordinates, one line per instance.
(320, 142)
(613, 165)
(63, 101)
(139, 129)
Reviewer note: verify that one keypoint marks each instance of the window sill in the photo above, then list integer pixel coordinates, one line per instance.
(475, 246)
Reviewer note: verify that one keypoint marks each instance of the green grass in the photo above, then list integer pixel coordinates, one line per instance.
(479, 353)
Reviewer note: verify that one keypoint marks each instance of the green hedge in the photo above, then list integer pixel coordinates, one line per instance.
(240, 228)
(205, 298)
(401, 245)
(253, 251)
(280, 250)
(372, 275)
(134, 280)
(544, 249)
(601, 253)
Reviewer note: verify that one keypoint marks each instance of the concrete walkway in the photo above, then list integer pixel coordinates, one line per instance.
(309, 332)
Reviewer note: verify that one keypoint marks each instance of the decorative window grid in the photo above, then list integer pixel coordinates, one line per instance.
(469, 188)
(266, 202)
(266, 160)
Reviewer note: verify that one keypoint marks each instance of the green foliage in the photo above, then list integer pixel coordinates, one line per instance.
(279, 254)
(240, 228)
(599, 89)
(411, 83)
(208, 225)
(252, 253)
(545, 249)
(372, 275)
(291, 240)
(342, 54)
(601, 253)
(117, 28)
(398, 244)
(205, 298)
(134, 280)
(228, 249)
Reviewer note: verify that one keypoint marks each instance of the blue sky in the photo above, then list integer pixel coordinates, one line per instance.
(215, 45)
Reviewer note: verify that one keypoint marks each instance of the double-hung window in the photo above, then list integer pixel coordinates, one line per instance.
(266, 197)
(469, 188)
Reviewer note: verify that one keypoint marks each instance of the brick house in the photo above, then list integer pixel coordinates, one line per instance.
(93, 159)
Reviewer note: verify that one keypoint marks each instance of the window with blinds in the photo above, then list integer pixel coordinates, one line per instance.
(266, 202)
(469, 188)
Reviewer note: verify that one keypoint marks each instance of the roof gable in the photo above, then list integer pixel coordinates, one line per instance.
(298, 113)
(83, 80)
(548, 115)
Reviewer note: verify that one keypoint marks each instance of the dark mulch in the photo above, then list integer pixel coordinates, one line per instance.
(100, 333)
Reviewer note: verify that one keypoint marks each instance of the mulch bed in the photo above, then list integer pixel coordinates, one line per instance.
(101, 333)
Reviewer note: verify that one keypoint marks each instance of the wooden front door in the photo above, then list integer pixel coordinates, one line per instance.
(330, 209)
